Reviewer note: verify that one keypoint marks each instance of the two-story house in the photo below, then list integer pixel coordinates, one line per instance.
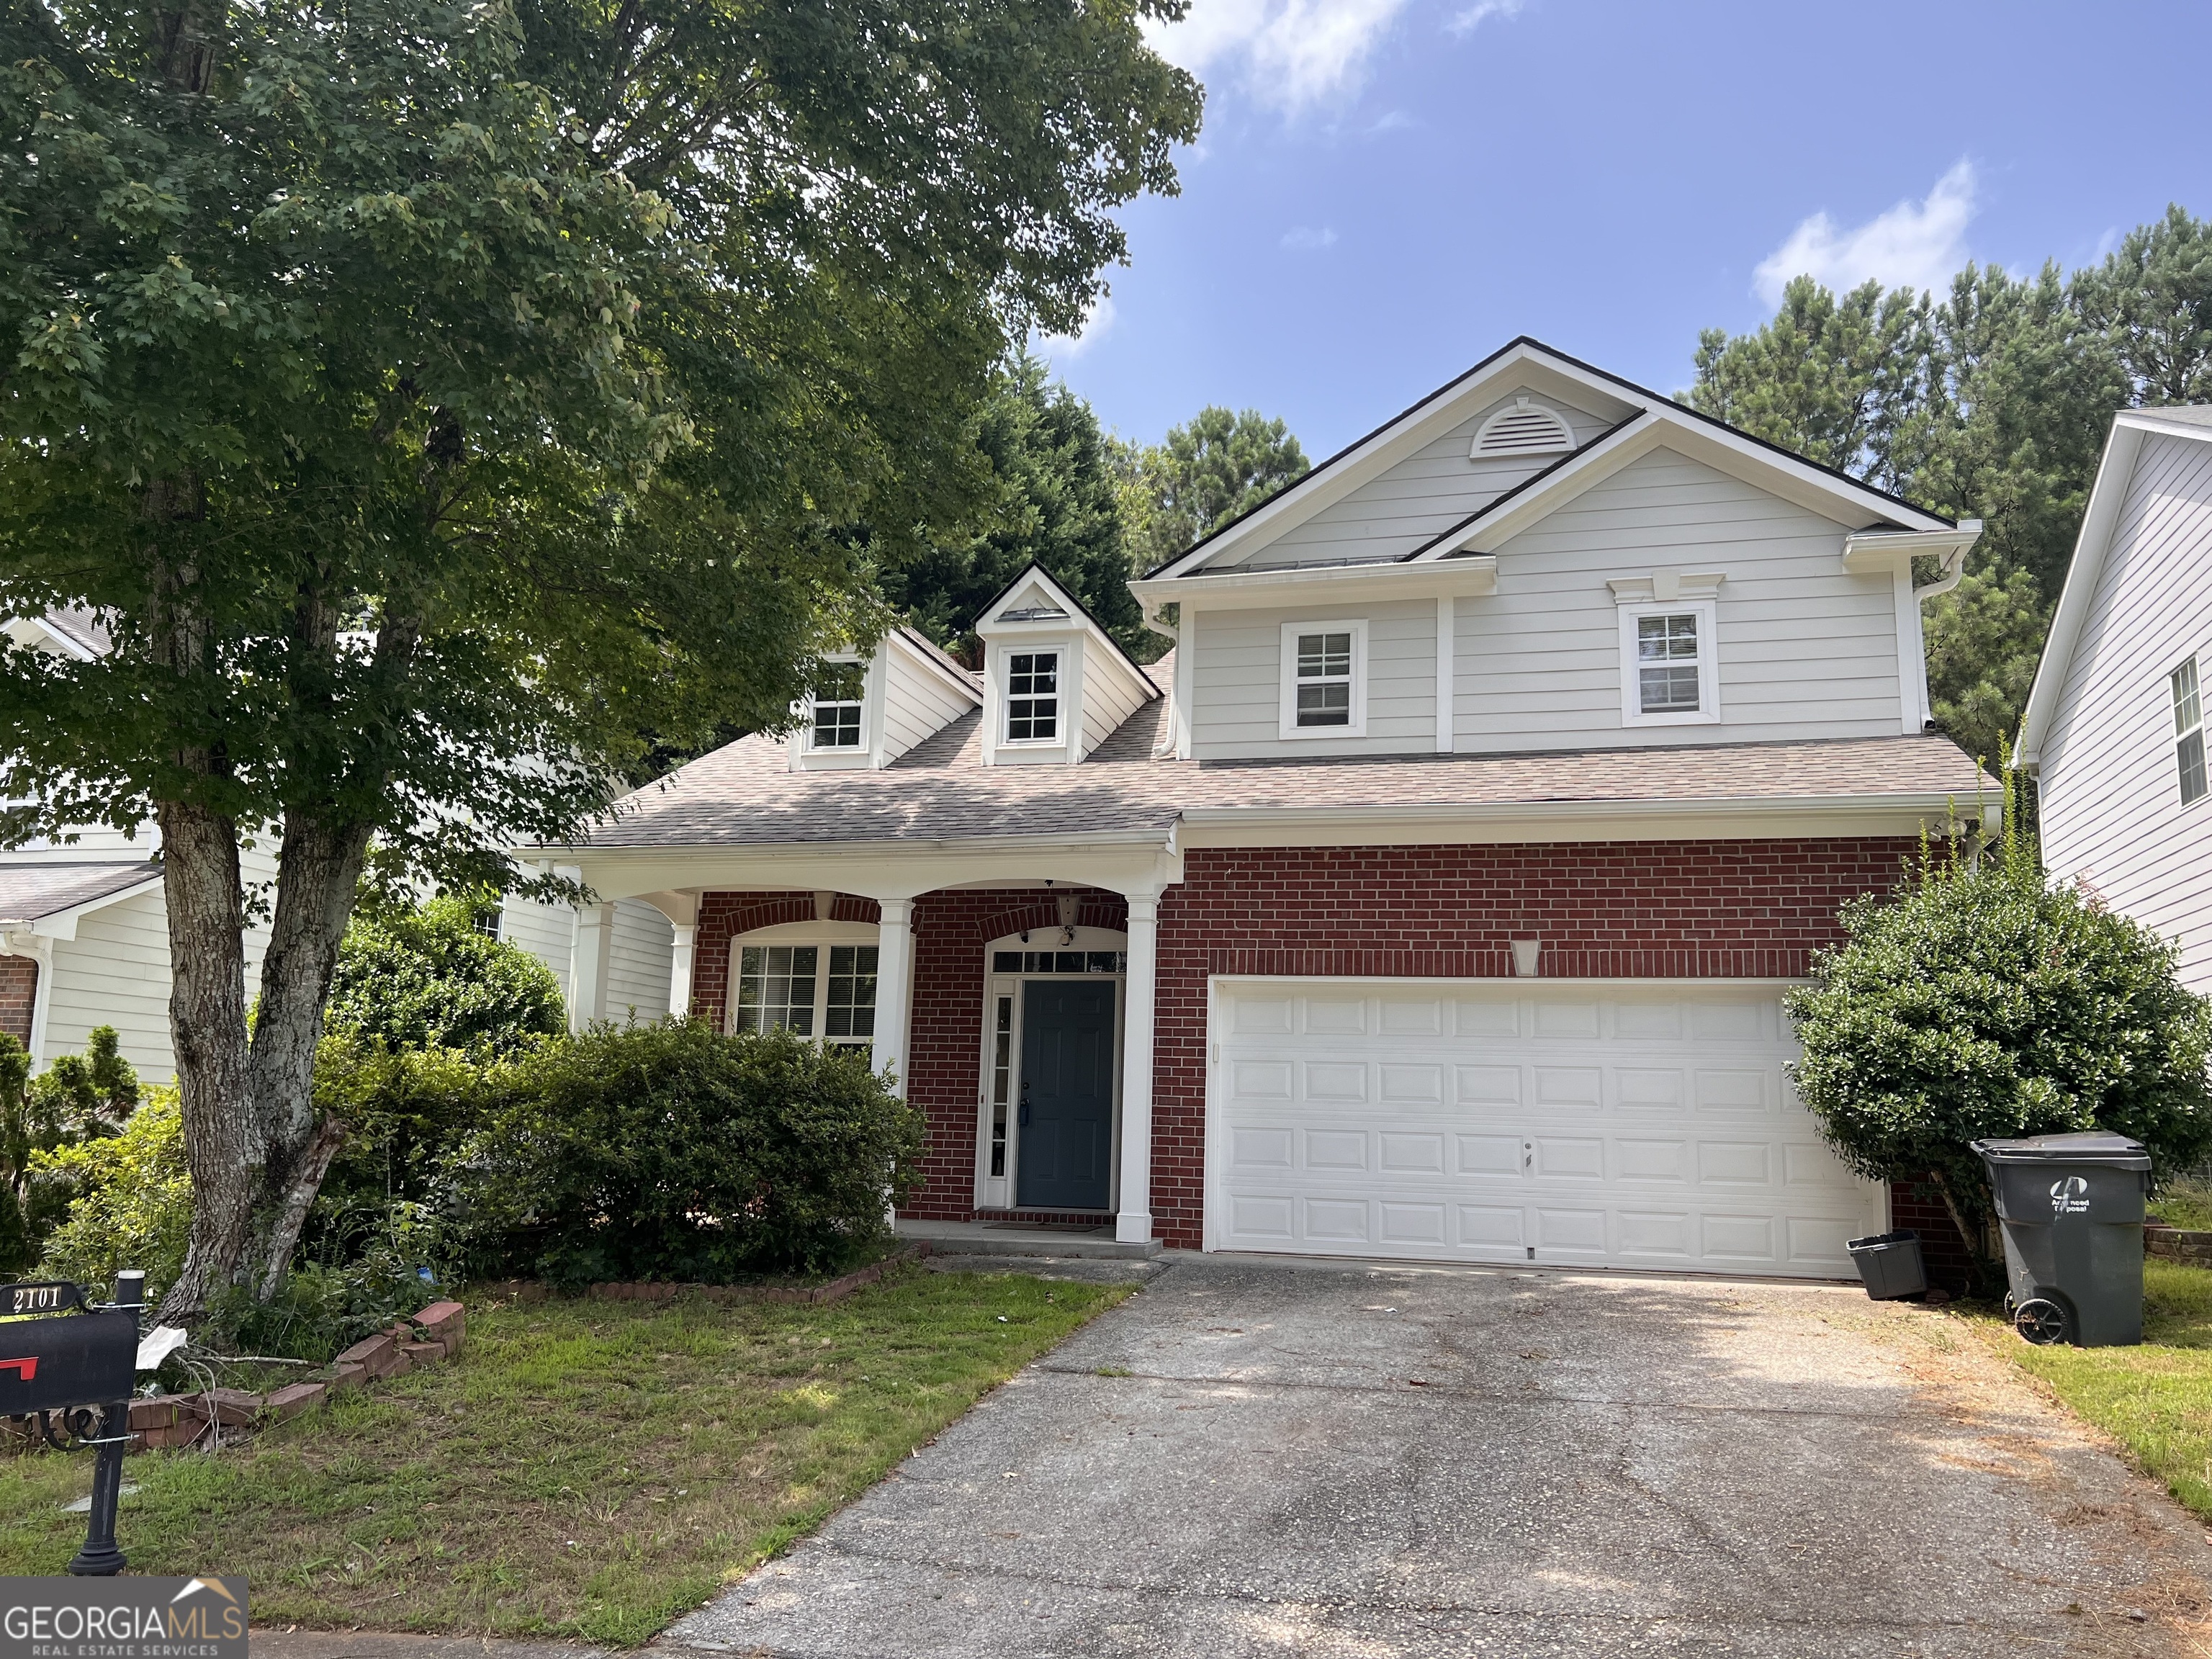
(2114, 730)
(1433, 898)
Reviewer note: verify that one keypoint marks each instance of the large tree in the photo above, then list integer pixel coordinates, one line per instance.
(1054, 503)
(430, 397)
(1217, 467)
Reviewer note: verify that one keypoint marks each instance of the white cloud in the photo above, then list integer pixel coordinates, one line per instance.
(1916, 244)
(1482, 11)
(1286, 54)
(1059, 348)
(1305, 238)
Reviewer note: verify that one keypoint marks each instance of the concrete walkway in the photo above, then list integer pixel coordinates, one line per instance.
(1350, 1463)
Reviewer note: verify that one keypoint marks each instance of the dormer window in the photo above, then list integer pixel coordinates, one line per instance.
(1033, 696)
(1523, 428)
(837, 706)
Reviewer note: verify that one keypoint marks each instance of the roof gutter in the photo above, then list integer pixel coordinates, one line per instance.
(1947, 804)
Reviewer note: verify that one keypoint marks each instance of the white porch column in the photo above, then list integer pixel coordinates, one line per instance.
(588, 964)
(679, 970)
(894, 988)
(1134, 1225)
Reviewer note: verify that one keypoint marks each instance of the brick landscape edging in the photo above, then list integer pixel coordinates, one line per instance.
(181, 1419)
(2177, 1244)
(662, 1290)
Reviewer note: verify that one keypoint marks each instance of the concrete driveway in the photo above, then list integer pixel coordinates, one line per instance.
(1330, 1461)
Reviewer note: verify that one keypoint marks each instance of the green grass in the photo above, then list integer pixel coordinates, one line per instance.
(2184, 1203)
(585, 1468)
(2155, 1399)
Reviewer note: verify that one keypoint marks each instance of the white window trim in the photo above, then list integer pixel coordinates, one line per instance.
(805, 757)
(1287, 713)
(864, 702)
(821, 934)
(1013, 648)
(2179, 735)
(1709, 675)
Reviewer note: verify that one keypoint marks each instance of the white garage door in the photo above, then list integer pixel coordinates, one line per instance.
(1633, 1124)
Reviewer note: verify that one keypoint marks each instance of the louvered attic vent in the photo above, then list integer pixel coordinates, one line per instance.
(1523, 429)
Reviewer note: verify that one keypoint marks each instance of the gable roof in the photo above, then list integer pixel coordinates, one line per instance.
(1073, 602)
(2115, 475)
(1623, 402)
(32, 892)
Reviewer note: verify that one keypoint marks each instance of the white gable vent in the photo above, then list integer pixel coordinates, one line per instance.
(1523, 429)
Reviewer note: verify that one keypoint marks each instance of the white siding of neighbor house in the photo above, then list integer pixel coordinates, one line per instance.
(1807, 650)
(1111, 694)
(548, 932)
(1422, 496)
(2110, 805)
(917, 703)
(1237, 688)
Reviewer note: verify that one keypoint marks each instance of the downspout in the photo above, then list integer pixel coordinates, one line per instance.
(1954, 563)
(1150, 612)
(1953, 570)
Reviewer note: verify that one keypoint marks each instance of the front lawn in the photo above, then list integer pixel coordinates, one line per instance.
(589, 1468)
(2155, 1399)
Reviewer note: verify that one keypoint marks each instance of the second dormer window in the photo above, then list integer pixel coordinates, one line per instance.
(837, 707)
(1033, 696)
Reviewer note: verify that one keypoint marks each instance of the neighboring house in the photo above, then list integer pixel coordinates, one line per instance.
(1434, 898)
(2114, 732)
(84, 934)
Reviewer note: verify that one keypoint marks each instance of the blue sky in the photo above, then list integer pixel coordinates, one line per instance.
(1388, 190)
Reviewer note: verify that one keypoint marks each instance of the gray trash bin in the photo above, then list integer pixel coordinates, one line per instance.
(1890, 1265)
(2072, 1213)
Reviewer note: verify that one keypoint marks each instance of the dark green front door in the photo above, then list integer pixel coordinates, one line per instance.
(1066, 1117)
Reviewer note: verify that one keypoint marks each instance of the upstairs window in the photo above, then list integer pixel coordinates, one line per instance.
(1666, 663)
(1324, 680)
(1033, 696)
(837, 706)
(2187, 732)
(1669, 666)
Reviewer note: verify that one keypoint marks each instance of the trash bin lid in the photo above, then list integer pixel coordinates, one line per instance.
(2090, 1146)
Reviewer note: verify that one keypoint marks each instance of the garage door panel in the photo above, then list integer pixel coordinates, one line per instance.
(1641, 1127)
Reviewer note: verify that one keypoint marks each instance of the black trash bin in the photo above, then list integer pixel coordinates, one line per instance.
(1890, 1265)
(2071, 1208)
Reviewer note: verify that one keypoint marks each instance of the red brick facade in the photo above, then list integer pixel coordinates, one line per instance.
(19, 985)
(1644, 909)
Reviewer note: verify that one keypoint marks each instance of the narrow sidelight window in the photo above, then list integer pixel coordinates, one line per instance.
(1666, 663)
(1002, 1079)
(1033, 696)
(837, 707)
(1324, 687)
(2187, 732)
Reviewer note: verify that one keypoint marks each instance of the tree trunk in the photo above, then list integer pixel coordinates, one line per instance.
(308, 1170)
(207, 1019)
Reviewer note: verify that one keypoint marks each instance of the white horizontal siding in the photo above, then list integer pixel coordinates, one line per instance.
(1806, 649)
(639, 962)
(1421, 497)
(1238, 681)
(2111, 812)
(548, 932)
(917, 703)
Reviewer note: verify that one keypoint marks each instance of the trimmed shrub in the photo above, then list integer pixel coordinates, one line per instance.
(425, 978)
(672, 1152)
(132, 1200)
(1982, 1003)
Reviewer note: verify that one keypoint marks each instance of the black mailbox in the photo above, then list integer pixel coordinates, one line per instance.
(79, 1360)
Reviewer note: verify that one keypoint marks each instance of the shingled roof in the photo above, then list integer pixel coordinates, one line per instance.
(745, 795)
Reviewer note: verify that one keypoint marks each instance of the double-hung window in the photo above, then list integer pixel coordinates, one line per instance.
(1033, 696)
(1668, 664)
(838, 703)
(1324, 689)
(810, 990)
(2187, 731)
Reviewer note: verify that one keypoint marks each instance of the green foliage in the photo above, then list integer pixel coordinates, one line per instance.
(77, 1099)
(1979, 1002)
(131, 1199)
(1991, 401)
(423, 977)
(1218, 467)
(672, 1151)
(379, 1265)
(1056, 506)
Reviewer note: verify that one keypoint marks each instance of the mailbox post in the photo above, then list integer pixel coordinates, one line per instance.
(79, 1367)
